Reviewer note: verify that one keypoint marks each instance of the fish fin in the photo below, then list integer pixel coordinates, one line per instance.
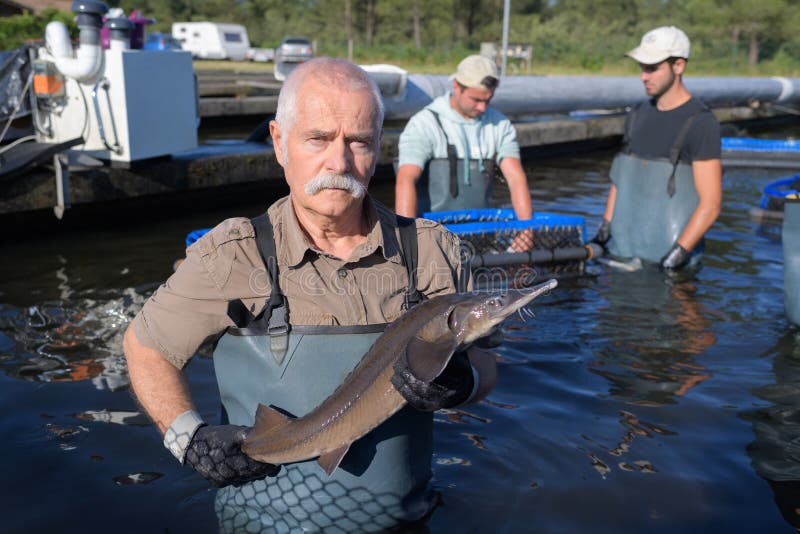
(331, 460)
(427, 359)
(268, 418)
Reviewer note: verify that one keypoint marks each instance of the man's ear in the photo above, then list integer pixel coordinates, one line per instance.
(277, 145)
(679, 66)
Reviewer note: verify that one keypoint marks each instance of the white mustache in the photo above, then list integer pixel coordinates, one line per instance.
(330, 180)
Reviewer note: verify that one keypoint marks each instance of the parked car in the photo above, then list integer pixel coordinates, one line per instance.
(292, 51)
(161, 41)
(260, 54)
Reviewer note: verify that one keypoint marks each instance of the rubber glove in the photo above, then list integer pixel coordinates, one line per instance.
(675, 259)
(452, 387)
(216, 453)
(603, 233)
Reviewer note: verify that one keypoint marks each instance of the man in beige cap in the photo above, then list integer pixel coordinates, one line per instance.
(666, 187)
(448, 151)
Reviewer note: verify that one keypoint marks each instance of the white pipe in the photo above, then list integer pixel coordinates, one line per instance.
(525, 95)
(119, 44)
(82, 66)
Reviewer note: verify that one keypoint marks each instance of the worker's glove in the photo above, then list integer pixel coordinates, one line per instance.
(675, 259)
(491, 340)
(216, 453)
(603, 233)
(452, 387)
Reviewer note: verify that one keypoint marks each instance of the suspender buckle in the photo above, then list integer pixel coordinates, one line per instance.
(277, 322)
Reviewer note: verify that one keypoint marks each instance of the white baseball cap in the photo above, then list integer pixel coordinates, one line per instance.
(474, 69)
(660, 44)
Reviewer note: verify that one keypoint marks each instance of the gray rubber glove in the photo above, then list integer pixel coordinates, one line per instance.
(452, 387)
(675, 259)
(216, 453)
(603, 233)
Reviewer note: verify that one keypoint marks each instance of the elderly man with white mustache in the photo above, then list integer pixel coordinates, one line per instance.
(292, 300)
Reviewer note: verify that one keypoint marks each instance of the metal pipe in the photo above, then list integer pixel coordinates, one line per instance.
(527, 95)
(504, 51)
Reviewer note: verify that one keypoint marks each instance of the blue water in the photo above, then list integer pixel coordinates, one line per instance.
(630, 402)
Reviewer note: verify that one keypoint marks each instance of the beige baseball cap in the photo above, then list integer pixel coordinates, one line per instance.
(660, 44)
(473, 69)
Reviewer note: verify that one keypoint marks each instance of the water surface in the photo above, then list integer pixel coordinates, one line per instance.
(630, 402)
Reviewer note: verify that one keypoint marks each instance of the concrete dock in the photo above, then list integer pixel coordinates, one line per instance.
(234, 96)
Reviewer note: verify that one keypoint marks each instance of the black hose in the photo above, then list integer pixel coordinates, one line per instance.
(556, 255)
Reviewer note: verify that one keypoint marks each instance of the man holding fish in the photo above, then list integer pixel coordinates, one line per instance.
(298, 302)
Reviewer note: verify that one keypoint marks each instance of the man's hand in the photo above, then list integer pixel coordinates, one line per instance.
(491, 340)
(675, 259)
(523, 241)
(452, 387)
(603, 233)
(216, 453)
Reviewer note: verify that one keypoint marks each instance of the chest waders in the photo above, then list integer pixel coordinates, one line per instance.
(655, 200)
(791, 258)
(443, 185)
(383, 479)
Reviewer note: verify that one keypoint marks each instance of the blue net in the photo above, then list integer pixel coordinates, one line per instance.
(494, 230)
(746, 144)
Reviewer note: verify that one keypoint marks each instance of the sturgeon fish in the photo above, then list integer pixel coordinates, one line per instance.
(427, 336)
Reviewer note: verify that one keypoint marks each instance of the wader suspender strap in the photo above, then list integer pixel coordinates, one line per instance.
(408, 244)
(675, 151)
(452, 158)
(276, 312)
(626, 136)
(277, 309)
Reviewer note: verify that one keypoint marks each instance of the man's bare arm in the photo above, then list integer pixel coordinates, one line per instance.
(610, 201)
(708, 183)
(405, 190)
(159, 386)
(518, 187)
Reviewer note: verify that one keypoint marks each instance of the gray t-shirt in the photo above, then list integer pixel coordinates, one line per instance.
(651, 133)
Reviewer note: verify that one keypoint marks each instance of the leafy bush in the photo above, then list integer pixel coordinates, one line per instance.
(18, 29)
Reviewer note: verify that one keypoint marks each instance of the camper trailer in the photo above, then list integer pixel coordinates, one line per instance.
(212, 40)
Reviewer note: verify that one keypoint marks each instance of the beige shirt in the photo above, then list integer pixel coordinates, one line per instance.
(224, 265)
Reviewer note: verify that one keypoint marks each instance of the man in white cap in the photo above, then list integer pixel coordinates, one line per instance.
(666, 187)
(448, 151)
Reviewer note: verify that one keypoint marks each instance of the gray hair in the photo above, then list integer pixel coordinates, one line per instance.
(331, 72)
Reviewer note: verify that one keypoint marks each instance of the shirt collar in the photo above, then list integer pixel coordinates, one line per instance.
(294, 246)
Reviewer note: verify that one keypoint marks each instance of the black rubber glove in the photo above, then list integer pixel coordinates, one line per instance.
(451, 388)
(603, 233)
(675, 259)
(216, 453)
(491, 340)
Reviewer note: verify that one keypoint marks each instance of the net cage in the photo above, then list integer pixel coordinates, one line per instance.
(775, 193)
(489, 233)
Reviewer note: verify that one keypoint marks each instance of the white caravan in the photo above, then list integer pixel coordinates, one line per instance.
(212, 40)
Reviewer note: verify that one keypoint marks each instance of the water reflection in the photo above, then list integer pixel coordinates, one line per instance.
(775, 453)
(68, 340)
(650, 326)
